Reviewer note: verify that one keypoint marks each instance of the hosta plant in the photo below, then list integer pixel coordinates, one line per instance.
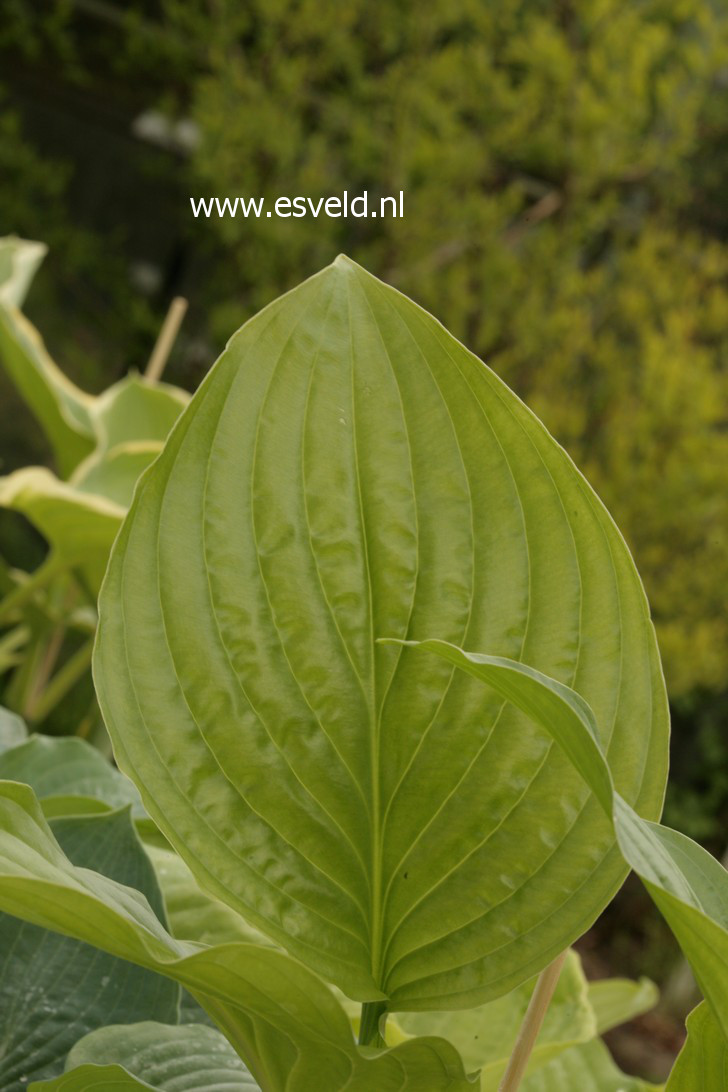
(382, 671)
(100, 445)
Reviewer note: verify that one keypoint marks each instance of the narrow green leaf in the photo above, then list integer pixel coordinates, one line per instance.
(349, 470)
(53, 989)
(281, 1019)
(689, 886)
(702, 1065)
(12, 647)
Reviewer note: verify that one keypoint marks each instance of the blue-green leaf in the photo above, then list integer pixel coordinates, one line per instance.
(53, 989)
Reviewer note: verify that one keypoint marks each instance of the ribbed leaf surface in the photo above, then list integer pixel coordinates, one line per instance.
(349, 471)
(168, 1059)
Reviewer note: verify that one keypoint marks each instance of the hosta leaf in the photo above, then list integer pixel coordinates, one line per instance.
(485, 1036)
(348, 471)
(113, 474)
(12, 729)
(283, 1021)
(61, 408)
(616, 1000)
(702, 1065)
(79, 527)
(195, 915)
(68, 767)
(92, 1078)
(54, 989)
(585, 1068)
(689, 886)
(19, 260)
(168, 1059)
(136, 410)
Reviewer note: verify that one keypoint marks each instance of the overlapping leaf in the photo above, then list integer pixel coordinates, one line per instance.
(101, 444)
(585, 1068)
(54, 989)
(78, 526)
(69, 768)
(166, 1059)
(12, 729)
(347, 471)
(702, 1065)
(283, 1021)
(61, 408)
(19, 260)
(689, 886)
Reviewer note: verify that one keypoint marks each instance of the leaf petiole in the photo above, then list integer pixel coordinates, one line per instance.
(369, 1027)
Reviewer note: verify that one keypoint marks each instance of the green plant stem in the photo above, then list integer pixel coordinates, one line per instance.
(371, 1014)
(35, 581)
(61, 682)
(45, 668)
(532, 1021)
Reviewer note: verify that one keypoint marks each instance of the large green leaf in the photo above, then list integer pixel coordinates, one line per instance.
(348, 470)
(283, 1021)
(689, 886)
(167, 1059)
(53, 989)
(702, 1065)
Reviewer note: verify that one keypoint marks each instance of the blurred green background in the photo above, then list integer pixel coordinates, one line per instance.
(564, 165)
